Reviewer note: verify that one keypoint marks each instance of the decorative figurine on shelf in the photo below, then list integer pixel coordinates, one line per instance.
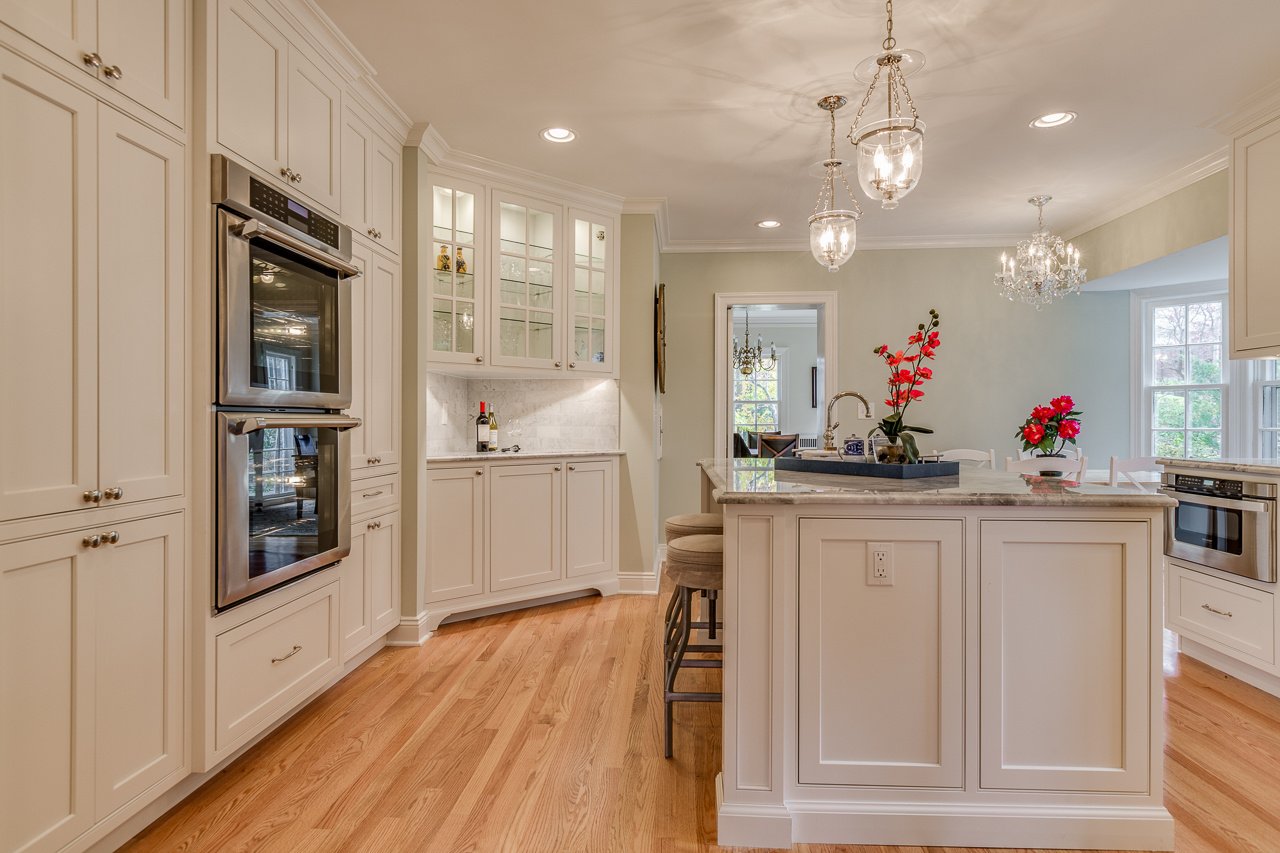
(442, 259)
(460, 263)
(907, 371)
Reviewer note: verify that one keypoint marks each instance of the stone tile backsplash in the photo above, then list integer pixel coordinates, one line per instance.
(537, 414)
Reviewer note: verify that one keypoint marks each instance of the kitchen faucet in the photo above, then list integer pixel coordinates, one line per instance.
(829, 434)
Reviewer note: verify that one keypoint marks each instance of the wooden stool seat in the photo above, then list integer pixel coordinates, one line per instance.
(694, 564)
(693, 524)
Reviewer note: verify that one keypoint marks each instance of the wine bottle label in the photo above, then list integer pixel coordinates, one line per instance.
(482, 433)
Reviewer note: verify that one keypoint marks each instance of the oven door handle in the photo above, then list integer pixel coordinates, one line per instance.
(254, 228)
(1224, 503)
(253, 422)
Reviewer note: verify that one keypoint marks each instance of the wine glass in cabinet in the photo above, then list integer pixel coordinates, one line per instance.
(591, 301)
(526, 286)
(457, 303)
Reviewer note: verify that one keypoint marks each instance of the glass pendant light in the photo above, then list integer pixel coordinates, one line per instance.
(833, 232)
(890, 151)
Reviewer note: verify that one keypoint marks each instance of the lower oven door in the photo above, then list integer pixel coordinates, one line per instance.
(1229, 534)
(284, 499)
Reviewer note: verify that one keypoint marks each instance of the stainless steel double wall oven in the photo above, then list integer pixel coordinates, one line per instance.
(284, 376)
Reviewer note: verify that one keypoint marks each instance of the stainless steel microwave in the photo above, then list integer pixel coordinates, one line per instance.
(1223, 524)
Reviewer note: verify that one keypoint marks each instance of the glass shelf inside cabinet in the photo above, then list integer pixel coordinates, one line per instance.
(526, 283)
(453, 277)
(590, 294)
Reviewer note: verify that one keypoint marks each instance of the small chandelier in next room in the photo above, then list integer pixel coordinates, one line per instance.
(1043, 268)
(891, 150)
(747, 359)
(833, 232)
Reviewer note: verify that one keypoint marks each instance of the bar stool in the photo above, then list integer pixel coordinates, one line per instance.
(693, 524)
(694, 564)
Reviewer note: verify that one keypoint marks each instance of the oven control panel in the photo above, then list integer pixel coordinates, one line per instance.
(1209, 486)
(279, 206)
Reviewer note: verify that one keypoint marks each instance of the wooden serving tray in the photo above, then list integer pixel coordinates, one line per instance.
(867, 469)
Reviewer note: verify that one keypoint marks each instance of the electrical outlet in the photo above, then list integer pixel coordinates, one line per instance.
(879, 564)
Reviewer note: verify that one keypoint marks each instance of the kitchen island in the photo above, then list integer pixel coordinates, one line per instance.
(968, 661)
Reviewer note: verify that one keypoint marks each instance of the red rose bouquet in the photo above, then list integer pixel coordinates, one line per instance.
(907, 372)
(1050, 428)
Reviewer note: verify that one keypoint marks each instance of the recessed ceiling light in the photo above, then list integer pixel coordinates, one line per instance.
(768, 223)
(1054, 119)
(558, 134)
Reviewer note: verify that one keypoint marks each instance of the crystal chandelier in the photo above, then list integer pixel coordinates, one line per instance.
(747, 359)
(833, 233)
(1043, 268)
(890, 151)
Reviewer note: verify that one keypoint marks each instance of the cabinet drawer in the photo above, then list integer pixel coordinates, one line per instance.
(374, 495)
(266, 664)
(1228, 614)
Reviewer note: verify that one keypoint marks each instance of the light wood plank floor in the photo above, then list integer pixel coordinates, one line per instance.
(541, 731)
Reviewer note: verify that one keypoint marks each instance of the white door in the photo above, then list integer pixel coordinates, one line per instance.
(523, 516)
(1065, 635)
(361, 451)
(455, 532)
(252, 57)
(1255, 216)
(382, 559)
(314, 131)
(382, 345)
(384, 193)
(138, 638)
(48, 291)
(353, 591)
(588, 520)
(143, 47)
(141, 287)
(906, 638)
(46, 691)
(591, 294)
(66, 27)
(525, 291)
(357, 149)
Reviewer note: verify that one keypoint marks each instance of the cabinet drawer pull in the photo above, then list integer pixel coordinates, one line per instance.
(294, 651)
(111, 537)
(91, 60)
(92, 496)
(112, 72)
(371, 494)
(114, 494)
(92, 541)
(1226, 613)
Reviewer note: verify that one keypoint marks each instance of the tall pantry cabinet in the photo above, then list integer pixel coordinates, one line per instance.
(93, 370)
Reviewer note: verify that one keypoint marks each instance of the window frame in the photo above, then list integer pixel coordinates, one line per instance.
(780, 401)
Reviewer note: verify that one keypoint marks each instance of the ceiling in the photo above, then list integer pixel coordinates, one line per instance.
(710, 104)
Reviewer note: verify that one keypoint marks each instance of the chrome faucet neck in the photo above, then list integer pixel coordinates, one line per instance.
(829, 434)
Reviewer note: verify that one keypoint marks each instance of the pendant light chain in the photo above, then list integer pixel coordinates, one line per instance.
(889, 42)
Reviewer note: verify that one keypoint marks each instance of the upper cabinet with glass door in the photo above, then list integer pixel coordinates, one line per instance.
(457, 300)
(591, 304)
(526, 315)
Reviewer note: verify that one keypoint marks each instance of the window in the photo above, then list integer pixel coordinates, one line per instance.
(1267, 382)
(757, 399)
(1186, 378)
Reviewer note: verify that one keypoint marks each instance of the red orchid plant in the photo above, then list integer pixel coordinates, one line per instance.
(1055, 424)
(907, 371)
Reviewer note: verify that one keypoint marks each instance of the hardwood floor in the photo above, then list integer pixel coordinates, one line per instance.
(541, 730)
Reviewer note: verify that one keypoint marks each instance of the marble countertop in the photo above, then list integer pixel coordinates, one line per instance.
(754, 481)
(1269, 467)
(523, 454)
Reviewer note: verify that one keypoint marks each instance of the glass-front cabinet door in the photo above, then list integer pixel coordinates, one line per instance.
(526, 311)
(591, 309)
(457, 297)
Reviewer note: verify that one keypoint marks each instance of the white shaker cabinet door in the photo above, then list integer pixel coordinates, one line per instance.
(384, 193)
(142, 272)
(455, 532)
(66, 27)
(353, 592)
(143, 48)
(382, 360)
(1255, 216)
(588, 522)
(524, 522)
(48, 291)
(314, 131)
(252, 58)
(382, 561)
(358, 441)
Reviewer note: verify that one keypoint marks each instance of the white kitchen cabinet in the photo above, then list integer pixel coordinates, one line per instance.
(1232, 618)
(526, 292)
(523, 512)
(459, 297)
(907, 638)
(370, 181)
(588, 518)
(369, 583)
(275, 107)
(137, 47)
(1065, 624)
(592, 294)
(455, 532)
(1255, 253)
(91, 648)
(375, 363)
(96, 206)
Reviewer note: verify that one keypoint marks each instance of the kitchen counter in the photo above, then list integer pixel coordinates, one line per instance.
(523, 454)
(754, 481)
(1242, 465)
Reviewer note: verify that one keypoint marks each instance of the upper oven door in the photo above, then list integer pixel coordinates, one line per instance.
(284, 319)
(1229, 534)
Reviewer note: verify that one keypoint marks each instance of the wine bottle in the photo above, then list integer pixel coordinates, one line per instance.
(482, 431)
(493, 431)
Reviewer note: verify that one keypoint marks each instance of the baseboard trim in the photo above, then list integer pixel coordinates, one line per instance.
(1250, 675)
(412, 631)
(637, 583)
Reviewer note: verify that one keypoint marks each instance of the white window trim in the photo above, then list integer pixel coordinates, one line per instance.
(781, 401)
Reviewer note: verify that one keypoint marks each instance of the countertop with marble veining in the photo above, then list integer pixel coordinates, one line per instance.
(522, 455)
(1267, 467)
(754, 481)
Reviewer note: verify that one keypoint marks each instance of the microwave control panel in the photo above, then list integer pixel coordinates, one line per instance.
(1209, 485)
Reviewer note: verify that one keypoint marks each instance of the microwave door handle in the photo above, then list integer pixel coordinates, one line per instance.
(1206, 500)
(253, 228)
(255, 422)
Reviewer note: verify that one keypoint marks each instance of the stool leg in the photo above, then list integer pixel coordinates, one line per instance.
(675, 658)
(711, 613)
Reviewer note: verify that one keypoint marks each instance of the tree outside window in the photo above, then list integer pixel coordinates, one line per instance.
(756, 400)
(1187, 389)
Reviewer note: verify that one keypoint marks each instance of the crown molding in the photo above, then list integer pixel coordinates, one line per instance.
(1261, 106)
(657, 208)
(1182, 178)
(942, 241)
(441, 154)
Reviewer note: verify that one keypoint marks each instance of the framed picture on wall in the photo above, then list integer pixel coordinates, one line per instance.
(660, 337)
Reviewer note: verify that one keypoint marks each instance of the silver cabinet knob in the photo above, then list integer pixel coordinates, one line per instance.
(479, 359)
(372, 233)
(91, 60)
(92, 541)
(572, 365)
(557, 364)
(112, 72)
(573, 467)
(114, 494)
(286, 173)
(557, 467)
(111, 537)
(92, 496)
(296, 178)
(368, 525)
(479, 472)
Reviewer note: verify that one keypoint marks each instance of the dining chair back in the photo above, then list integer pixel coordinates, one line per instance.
(1126, 468)
(778, 445)
(959, 454)
(1060, 465)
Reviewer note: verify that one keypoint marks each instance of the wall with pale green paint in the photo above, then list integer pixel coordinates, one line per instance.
(996, 361)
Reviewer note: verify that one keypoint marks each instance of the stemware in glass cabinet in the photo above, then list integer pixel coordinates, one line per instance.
(453, 276)
(527, 301)
(590, 293)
